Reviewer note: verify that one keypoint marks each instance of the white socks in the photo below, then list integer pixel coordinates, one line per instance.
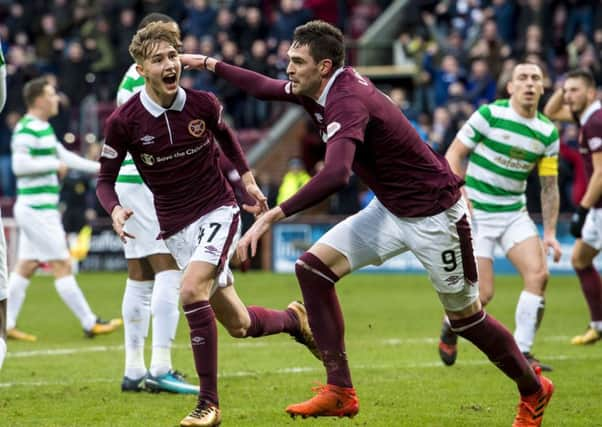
(17, 287)
(2, 351)
(73, 297)
(164, 308)
(136, 311)
(528, 314)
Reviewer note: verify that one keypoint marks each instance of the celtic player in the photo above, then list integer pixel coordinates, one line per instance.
(3, 283)
(503, 142)
(39, 159)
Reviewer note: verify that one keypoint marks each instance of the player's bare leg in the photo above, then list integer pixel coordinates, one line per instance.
(591, 285)
(317, 272)
(529, 259)
(253, 321)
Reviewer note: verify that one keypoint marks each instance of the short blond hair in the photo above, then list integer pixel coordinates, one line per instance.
(146, 39)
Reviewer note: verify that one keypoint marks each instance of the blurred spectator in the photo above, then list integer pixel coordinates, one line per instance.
(294, 178)
(480, 85)
(325, 10)
(122, 39)
(503, 13)
(443, 132)
(256, 112)
(200, 18)
(290, 15)
(48, 43)
(443, 76)
(580, 18)
(96, 33)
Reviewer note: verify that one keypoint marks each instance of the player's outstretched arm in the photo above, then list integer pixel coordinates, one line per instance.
(73, 161)
(255, 84)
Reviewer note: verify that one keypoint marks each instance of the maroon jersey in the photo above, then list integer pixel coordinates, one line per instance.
(176, 154)
(367, 133)
(590, 138)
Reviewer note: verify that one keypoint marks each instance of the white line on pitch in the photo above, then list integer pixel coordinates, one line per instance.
(294, 370)
(254, 344)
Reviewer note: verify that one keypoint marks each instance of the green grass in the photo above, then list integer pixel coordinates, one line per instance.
(392, 322)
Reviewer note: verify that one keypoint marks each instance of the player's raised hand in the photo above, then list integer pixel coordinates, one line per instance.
(119, 216)
(258, 229)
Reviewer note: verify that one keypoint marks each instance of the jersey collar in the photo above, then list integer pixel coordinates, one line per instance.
(322, 98)
(155, 109)
(593, 107)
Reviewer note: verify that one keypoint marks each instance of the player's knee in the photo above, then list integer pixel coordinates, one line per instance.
(192, 291)
(61, 268)
(486, 296)
(579, 263)
(237, 331)
(537, 280)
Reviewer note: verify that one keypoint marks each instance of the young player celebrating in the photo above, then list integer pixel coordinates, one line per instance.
(170, 133)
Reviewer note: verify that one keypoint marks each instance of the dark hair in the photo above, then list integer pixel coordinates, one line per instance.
(325, 41)
(33, 89)
(583, 74)
(154, 17)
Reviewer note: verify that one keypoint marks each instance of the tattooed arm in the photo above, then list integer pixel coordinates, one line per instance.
(550, 202)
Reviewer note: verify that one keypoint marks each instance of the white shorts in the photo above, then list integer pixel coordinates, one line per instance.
(41, 234)
(3, 274)
(212, 238)
(144, 224)
(503, 228)
(442, 243)
(592, 229)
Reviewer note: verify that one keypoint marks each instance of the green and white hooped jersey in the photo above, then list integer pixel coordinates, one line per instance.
(39, 188)
(505, 149)
(131, 84)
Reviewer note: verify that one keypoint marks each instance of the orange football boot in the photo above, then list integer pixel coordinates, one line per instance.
(329, 401)
(530, 408)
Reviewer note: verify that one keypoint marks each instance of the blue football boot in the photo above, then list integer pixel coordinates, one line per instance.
(172, 381)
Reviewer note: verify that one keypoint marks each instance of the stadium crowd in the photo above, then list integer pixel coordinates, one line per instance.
(463, 51)
(86, 44)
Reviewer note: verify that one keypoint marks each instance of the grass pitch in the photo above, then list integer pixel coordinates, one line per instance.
(392, 325)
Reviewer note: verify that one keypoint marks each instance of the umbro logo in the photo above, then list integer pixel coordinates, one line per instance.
(212, 250)
(147, 139)
(198, 340)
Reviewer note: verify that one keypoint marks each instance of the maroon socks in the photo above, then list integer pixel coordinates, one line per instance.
(268, 322)
(325, 317)
(203, 339)
(493, 339)
(592, 290)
